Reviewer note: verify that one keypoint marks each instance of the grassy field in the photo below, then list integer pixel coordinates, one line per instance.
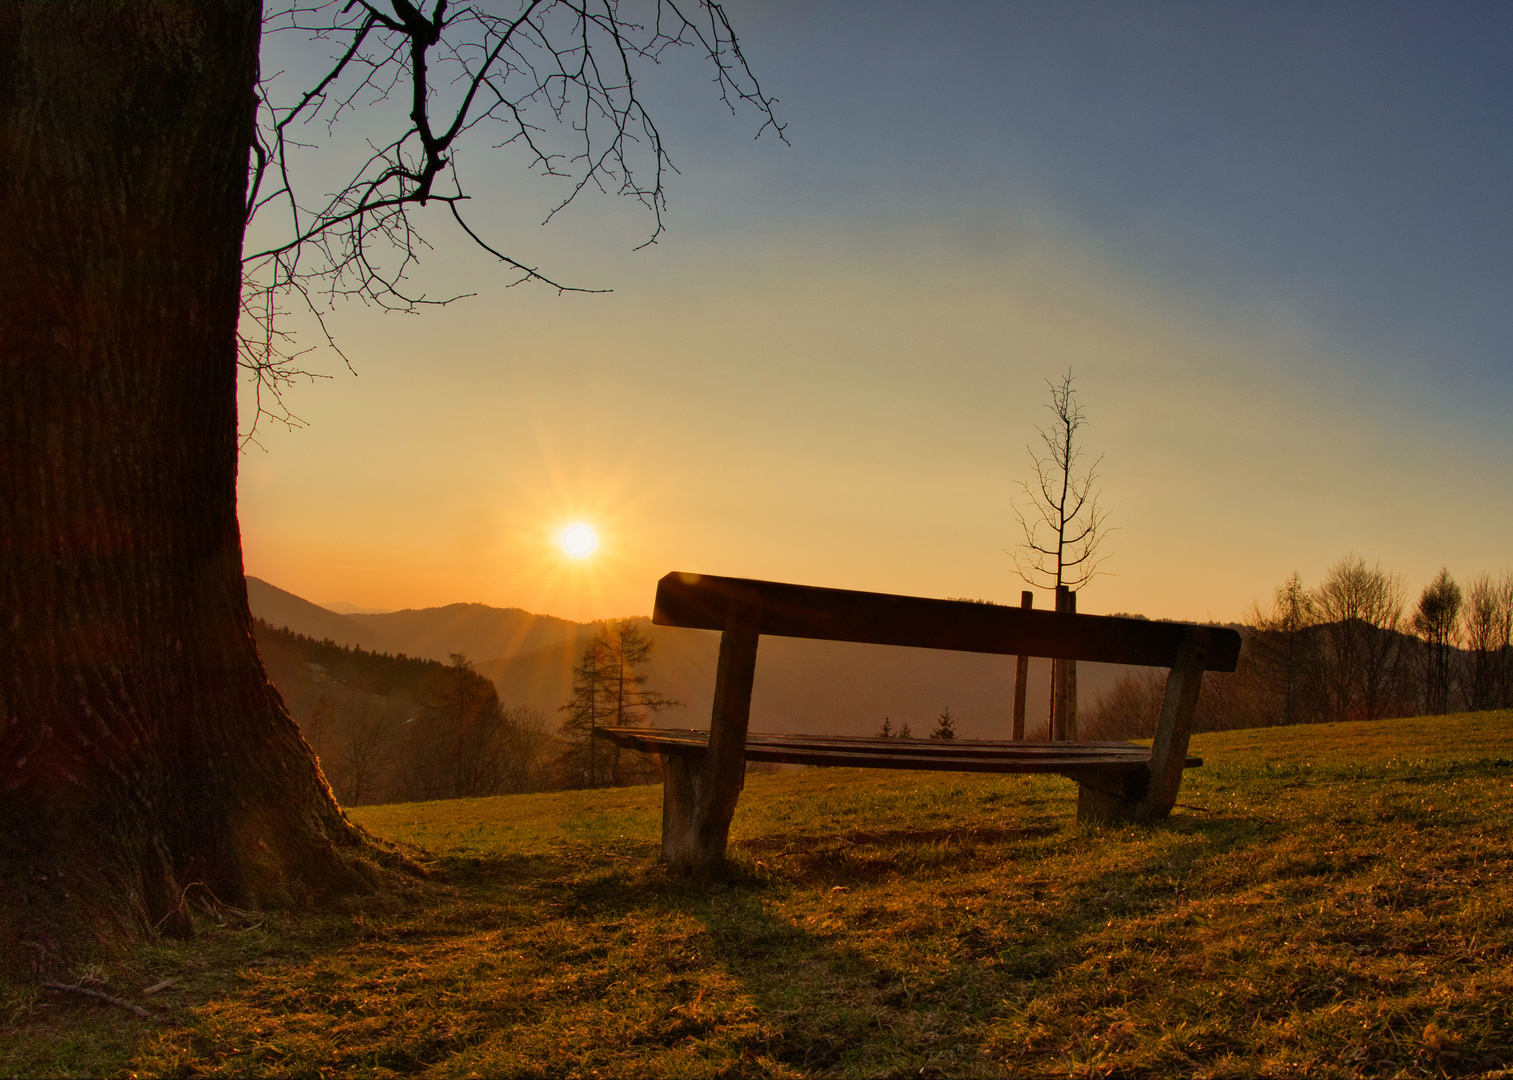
(1332, 901)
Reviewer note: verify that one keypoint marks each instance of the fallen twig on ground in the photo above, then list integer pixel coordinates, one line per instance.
(69, 988)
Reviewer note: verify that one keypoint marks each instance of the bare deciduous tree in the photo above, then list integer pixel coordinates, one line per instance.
(554, 81)
(1483, 625)
(1437, 622)
(1063, 524)
(1361, 661)
(531, 749)
(144, 749)
(1281, 650)
(363, 758)
(1063, 528)
(1503, 641)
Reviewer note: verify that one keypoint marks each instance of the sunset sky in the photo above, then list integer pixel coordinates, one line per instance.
(1274, 243)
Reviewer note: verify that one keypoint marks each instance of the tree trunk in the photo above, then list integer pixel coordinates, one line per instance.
(143, 752)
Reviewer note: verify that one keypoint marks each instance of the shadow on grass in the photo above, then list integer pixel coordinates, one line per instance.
(847, 987)
(889, 839)
(884, 952)
(956, 951)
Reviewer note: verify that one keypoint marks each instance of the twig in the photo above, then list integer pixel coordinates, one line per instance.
(69, 988)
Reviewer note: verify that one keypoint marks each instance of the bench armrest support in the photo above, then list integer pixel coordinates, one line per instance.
(700, 795)
(1174, 728)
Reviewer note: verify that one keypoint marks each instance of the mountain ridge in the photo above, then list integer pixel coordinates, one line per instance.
(480, 631)
(820, 687)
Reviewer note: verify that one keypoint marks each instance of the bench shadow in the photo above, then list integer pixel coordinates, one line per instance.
(793, 934)
(888, 838)
(826, 994)
(858, 856)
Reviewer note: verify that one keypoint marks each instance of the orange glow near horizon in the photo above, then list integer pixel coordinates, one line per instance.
(869, 438)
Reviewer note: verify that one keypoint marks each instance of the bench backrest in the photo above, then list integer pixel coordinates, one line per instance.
(703, 602)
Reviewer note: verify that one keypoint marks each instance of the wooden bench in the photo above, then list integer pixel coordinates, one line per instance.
(705, 771)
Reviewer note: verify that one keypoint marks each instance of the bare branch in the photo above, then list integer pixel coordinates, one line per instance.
(457, 66)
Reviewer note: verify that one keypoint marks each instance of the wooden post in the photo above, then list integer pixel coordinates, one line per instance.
(1021, 674)
(1169, 750)
(1071, 679)
(1058, 682)
(699, 796)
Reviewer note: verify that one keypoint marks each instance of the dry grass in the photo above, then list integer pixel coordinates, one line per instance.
(1330, 901)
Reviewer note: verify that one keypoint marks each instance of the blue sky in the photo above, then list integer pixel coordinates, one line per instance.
(1272, 240)
(1353, 160)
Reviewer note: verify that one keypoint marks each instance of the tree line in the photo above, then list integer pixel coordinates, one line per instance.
(1350, 648)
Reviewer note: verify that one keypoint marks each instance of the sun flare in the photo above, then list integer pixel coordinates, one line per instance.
(578, 540)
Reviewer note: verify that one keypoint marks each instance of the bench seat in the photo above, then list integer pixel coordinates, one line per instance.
(873, 752)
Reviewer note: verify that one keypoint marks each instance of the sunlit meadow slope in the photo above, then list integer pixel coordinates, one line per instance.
(1333, 900)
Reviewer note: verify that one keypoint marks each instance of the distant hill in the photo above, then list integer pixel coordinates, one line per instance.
(279, 608)
(805, 686)
(480, 631)
(816, 686)
(346, 607)
(843, 688)
(543, 677)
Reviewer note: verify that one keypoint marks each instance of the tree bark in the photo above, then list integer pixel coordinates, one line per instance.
(143, 751)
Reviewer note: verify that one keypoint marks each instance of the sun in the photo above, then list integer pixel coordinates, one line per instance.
(578, 540)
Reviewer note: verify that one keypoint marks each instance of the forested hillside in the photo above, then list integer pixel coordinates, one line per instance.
(393, 728)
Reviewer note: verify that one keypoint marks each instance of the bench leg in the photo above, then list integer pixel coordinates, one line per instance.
(1173, 729)
(1110, 797)
(699, 796)
(680, 780)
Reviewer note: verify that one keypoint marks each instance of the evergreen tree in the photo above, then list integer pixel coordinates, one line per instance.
(586, 711)
(945, 726)
(887, 729)
(904, 732)
(453, 748)
(609, 690)
(626, 649)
